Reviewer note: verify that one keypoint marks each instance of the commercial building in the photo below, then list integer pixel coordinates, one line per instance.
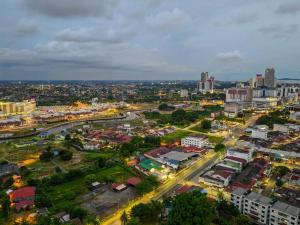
(241, 94)
(198, 142)
(16, 108)
(264, 98)
(206, 84)
(270, 80)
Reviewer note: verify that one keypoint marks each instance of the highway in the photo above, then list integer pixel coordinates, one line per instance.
(166, 187)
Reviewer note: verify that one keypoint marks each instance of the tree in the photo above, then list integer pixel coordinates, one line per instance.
(47, 155)
(192, 208)
(165, 107)
(65, 155)
(206, 124)
(5, 204)
(77, 212)
(280, 171)
(24, 171)
(146, 213)
(134, 221)
(8, 182)
(101, 162)
(152, 141)
(124, 218)
(220, 147)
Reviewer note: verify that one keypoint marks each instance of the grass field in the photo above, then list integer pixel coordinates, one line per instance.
(178, 134)
(64, 193)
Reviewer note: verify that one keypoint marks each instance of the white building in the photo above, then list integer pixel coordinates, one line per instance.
(284, 214)
(245, 154)
(257, 207)
(198, 142)
(263, 209)
(260, 132)
(237, 198)
(184, 93)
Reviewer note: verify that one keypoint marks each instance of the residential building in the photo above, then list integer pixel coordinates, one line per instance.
(206, 84)
(237, 198)
(245, 154)
(257, 207)
(260, 132)
(194, 141)
(264, 210)
(284, 214)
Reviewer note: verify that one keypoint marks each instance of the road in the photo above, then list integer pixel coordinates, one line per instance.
(166, 187)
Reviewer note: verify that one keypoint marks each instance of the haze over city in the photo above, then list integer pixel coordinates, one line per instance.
(147, 40)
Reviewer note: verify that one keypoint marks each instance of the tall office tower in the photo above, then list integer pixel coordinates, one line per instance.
(270, 81)
(259, 80)
(206, 84)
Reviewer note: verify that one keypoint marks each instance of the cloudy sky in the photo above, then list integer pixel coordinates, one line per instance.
(148, 39)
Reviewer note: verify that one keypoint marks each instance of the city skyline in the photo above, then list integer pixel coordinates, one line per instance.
(149, 40)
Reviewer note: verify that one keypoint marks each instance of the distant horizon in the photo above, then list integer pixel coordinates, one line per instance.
(134, 80)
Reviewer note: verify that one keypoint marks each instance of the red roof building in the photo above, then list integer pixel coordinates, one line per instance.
(23, 198)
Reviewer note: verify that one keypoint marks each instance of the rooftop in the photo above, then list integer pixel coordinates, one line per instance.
(239, 191)
(285, 208)
(253, 196)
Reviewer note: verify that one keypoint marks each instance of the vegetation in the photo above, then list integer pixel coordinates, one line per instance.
(192, 208)
(147, 185)
(220, 147)
(180, 117)
(280, 171)
(165, 107)
(277, 117)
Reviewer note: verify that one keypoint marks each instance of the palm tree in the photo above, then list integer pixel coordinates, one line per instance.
(124, 218)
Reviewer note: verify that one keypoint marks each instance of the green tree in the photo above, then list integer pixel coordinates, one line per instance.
(220, 147)
(192, 208)
(206, 124)
(5, 204)
(124, 218)
(65, 155)
(280, 171)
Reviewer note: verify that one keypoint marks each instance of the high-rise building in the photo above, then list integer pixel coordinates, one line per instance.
(270, 80)
(259, 80)
(206, 84)
(242, 94)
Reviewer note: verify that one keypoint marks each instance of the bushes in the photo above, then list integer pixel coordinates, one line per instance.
(65, 155)
(146, 185)
(220, 147)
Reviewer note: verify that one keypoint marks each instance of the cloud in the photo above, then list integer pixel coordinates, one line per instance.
(168, 20)
(27, 27)
(109, 35)
(240, 19)
(279, 30)
(289, 7)
(232, 56)
(119, 57)
(71, 8)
